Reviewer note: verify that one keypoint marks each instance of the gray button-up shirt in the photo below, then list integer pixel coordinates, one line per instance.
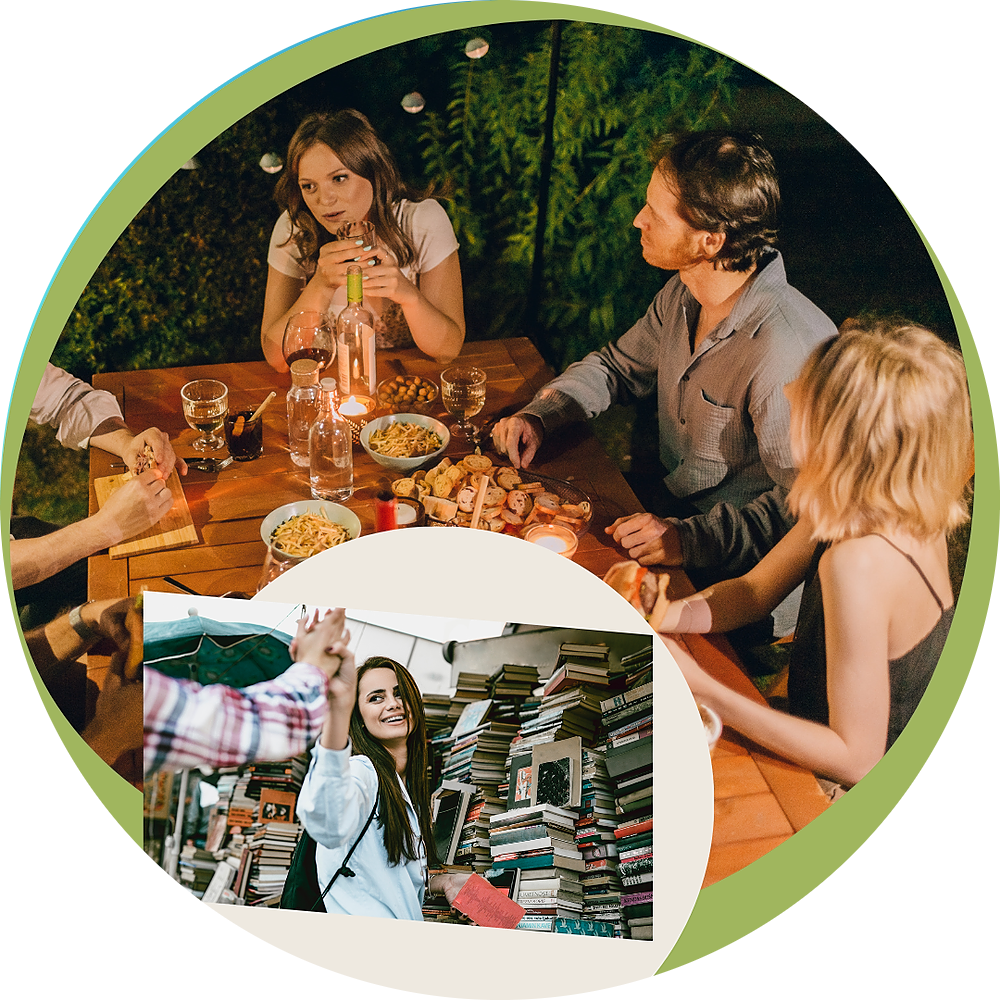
(723, 415)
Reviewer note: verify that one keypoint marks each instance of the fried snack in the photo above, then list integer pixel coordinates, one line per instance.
(404, 440)
(307, 534)
(146, 460)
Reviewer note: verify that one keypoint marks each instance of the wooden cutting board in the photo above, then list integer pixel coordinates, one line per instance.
(174, 530)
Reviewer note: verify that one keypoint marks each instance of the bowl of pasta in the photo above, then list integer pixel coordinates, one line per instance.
(303, 528)
(405, 441)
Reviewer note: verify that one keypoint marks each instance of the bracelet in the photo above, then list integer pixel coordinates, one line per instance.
(86, 632)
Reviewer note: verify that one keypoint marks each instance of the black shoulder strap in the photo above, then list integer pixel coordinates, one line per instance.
(915, 565)
(343, 869)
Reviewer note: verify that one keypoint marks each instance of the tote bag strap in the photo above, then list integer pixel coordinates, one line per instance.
(343, 869)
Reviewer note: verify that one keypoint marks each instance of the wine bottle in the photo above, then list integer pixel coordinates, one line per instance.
(356, 341)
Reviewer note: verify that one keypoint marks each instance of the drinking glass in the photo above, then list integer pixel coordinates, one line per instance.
(206, 403)
(362, 230)
(308, 335)
(463, 393)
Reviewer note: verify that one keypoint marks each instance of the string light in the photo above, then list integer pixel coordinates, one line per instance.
(477, 48)
(271, 163)
(413, 103)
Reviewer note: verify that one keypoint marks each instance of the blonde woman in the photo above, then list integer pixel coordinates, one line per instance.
(882, 435)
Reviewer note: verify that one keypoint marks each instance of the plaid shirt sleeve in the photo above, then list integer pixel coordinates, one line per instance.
(186, 724)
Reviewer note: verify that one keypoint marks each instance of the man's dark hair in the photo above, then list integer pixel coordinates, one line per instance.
(726, 183)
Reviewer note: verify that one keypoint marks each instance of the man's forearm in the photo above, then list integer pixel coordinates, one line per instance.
(112, 436)
(35, 559)
(734, 539)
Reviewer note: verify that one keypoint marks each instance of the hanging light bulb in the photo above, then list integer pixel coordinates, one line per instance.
(191, 164)
(413, 103)
(477, 48)
(271, 163)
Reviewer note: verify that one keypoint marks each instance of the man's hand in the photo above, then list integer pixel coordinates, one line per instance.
(323, 643)
(518, 437)
(117, 723)
(648, 539)
(163, 452)
(137, 505)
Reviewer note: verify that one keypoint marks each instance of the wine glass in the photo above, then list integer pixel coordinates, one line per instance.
(308, 335)
(463, 393)
(206, 403)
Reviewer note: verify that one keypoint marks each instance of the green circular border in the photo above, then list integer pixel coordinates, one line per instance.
(743, 901)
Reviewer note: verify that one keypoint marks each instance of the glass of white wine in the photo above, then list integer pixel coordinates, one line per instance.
(463, 393)
(206, 403)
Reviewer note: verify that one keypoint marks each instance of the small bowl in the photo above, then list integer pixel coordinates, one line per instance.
(405, 464)
(387, 405)
(325, 508)
(712, 723)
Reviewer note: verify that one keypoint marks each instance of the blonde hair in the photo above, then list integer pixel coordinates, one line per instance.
(882, 430)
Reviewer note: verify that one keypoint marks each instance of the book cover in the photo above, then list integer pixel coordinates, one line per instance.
(556, 773)
(486, 905)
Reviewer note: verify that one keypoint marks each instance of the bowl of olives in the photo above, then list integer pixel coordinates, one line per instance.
(406, 394)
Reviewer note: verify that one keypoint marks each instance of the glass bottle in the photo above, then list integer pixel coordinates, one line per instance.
(302, 405)
(356, 341)
(331, 461)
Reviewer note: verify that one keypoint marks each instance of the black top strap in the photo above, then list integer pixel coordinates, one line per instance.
(343, 869)
(913, 562)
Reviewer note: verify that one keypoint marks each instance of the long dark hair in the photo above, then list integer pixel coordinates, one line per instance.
(349, 134)
(397, 834)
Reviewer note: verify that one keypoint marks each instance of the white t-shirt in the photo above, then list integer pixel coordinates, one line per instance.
(424, 223)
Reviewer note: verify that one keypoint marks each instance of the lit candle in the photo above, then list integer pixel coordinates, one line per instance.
(354, 406)
(553, 537)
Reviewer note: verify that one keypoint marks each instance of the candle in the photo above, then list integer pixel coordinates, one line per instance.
(553, 537)
(356, 406)
(385, 511)
(405, 515)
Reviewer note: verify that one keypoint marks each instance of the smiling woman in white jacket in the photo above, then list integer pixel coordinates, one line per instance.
(373, 744)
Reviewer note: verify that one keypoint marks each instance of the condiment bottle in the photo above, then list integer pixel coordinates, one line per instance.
(331, 460)
(302, 404)
(356, 340)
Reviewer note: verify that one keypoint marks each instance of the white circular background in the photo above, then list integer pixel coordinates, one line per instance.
(457, 573)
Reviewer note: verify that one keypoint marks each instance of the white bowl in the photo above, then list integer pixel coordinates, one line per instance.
(325, 508)
(712, 723)
(405, 464)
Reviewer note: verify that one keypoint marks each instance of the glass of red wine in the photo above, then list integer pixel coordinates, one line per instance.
(308, 335)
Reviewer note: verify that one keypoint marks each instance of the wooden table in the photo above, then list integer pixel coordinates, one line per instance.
(760, 800)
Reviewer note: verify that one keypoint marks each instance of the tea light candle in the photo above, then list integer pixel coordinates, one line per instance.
(357, 406)
(553, 537)
(405, 515)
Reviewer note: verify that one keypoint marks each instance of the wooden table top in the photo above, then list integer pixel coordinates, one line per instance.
(759, 800)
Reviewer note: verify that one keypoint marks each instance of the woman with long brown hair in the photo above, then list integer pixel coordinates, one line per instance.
(338, 171)
(371, 760)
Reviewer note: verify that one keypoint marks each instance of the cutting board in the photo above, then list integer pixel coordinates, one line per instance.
(174, 530)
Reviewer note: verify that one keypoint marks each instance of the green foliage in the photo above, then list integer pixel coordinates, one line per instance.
(51, 481)
(614, 99)
(184, 284)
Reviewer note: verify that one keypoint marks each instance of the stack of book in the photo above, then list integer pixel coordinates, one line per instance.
(510, 686)
(282, 776)
(270, 851)
(436, 709)
(595, 836)
(539, 841)
(579, 663)
(633, 669)
(628, 721)
(195, 868)
(470, 687)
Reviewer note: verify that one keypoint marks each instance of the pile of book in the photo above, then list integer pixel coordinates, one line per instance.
(436, 709)
(195, 868)
(510, 686)
(628, 721)
(539, 841)
(470, 687)
(266, 856)
(595, 836)
(633, 669)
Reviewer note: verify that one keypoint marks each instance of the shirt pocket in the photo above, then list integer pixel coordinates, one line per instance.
(714, 429)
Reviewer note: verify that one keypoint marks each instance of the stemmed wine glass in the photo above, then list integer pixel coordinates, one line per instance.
(308, 335)
(206, 403)
(463, 393)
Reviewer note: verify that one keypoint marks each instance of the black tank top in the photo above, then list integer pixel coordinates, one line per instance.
(909, 675)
